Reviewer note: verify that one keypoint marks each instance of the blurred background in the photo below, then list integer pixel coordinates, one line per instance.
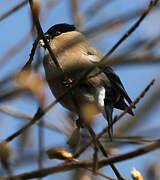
(104, 22)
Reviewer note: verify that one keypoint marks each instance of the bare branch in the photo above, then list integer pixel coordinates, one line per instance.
(67, 166)
(14, 9)
(116, 118)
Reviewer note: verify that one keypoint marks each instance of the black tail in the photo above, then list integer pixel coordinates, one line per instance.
(115, 96)
(118, 86)
(109, 110)
(122, 105)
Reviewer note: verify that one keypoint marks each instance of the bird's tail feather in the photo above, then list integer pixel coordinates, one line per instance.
(109, 111)
(122, 106)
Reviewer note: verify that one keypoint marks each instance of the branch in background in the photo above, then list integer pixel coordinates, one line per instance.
(14, 9)
(41, 112)
(131, 30)
(103, 64)
(139, 60)
(23, 42)
(116, 119)
(76, 13)
(140, 151)
(148, 106)
(151, 5)
(95, 8)
(97, 144)
(112, 23)
(67, 166)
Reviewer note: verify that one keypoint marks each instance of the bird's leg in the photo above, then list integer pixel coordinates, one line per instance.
(96, 142)
(80, 123)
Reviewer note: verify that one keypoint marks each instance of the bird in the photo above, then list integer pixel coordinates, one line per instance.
(74, 55)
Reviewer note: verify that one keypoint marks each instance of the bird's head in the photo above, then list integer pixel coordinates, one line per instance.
(58, 31)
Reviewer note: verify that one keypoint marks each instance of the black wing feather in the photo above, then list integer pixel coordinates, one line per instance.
(117, 82)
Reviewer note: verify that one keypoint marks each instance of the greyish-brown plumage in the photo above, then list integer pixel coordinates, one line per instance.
(74, 53)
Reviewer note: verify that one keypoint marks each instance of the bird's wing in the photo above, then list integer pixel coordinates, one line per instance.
(115, 92)
(117, 82)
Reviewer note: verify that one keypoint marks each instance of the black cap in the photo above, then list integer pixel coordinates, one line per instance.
(59, 29)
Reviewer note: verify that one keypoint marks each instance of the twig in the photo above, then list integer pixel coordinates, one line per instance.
(75, 9)
(15, 48)
(37, 116)
(21, 44)
(108, 54)
(95, 8)
(131, 30)
(96, 142)
(139, 60)
(15, 8)
(132, 154)
(40, 144)
(41, 34)
(134, 102)
(103, 175)
(29, 62)
(110, 24)
(103, 64)
(40, 113)
(67, 166)
(15, 113)
(116, 118)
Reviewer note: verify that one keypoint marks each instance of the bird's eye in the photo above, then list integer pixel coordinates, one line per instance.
(47, 37)
(57, 33)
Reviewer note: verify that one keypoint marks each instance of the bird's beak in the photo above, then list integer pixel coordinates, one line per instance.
(41, 43)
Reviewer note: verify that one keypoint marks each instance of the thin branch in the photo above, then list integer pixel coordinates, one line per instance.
(14, 9)
(96, 142)
(134, 102)
(103, 175)
(151, 5)
(15, 48)
(67, 166)
(77, 15)
(95, 8)
(103, 64)
(29, 62)
(132, 154)
(23, 42)
(116, 118)
(41, 112)
(37, 116)
(139, 60)
(112, 23)
(40, 144)
(41, 34)
(15, 113)
(131, 30)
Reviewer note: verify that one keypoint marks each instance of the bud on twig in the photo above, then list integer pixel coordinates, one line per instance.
(136, 175)
(58, 153)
